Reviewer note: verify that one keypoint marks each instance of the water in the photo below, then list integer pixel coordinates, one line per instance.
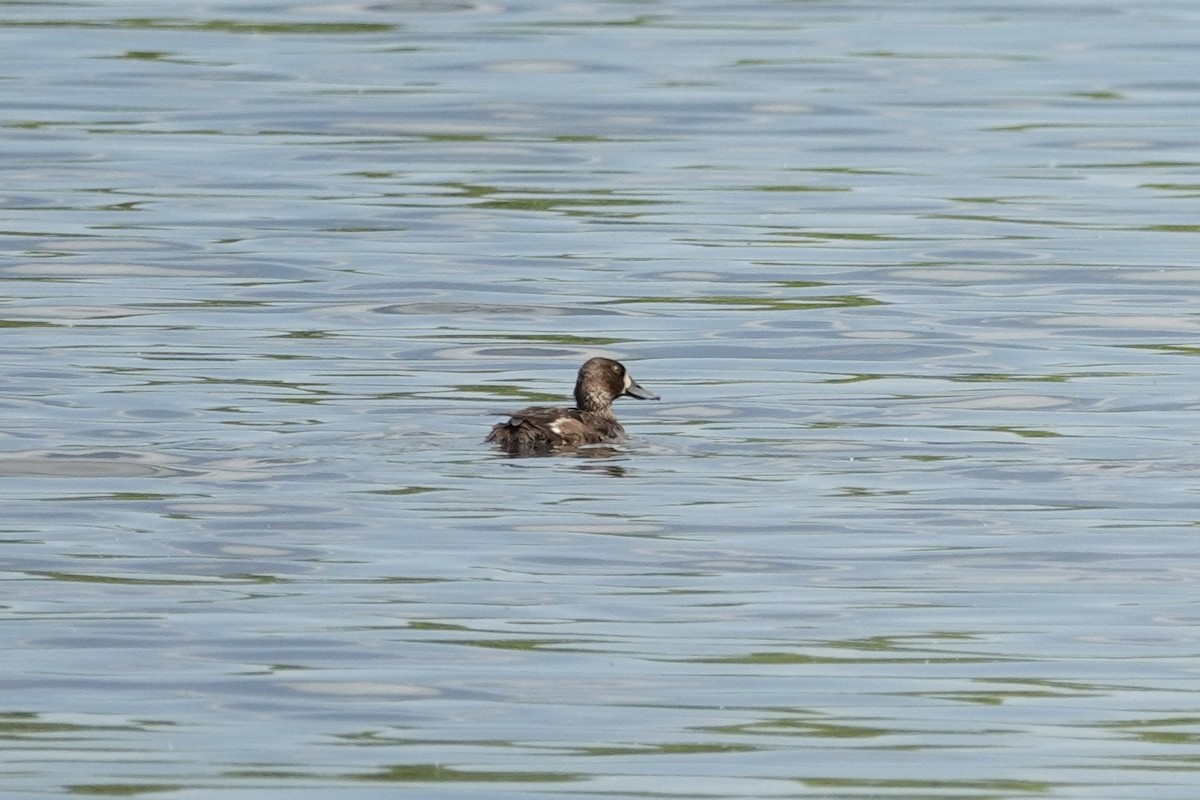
(916, 517)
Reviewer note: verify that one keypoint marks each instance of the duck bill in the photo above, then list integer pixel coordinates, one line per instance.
(635, 389)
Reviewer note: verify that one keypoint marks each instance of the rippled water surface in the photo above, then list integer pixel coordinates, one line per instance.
(917, 515)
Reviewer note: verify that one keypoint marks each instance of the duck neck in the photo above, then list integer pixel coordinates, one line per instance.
(590, 403)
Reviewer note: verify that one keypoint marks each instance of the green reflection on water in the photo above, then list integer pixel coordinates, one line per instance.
(126, 496)
(21, 724)
(862, 491)
(797, 726)
(418, 625)
(799, 187)
(781, 658)
(998, 698)
(24, 323)
(276, 774)
(79, 577)
(1151, 164)
(1169, 349)
(570, 203)
(551, 338)
(1172, 228)
(996, 377)
(670, 748)
(558, 645)
(791, 236)
(1190, 188)
(1054, 377)
(631, 22)
(1024, 433)
(145, 55)
(758, 303)
(1146, 730)
(191, 305)
(1046, 221)
(436, 773)
(1029, 689)
(455, 137)
(991, 785)
(874, 650)
(315, 334)
(15, 724)
(214, 25)
(407, 490)
(123, 789)
(510, 391)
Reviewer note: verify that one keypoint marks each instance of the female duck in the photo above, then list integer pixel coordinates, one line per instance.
(541, 430)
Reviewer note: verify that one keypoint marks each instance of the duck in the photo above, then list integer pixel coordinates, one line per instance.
(542, 430)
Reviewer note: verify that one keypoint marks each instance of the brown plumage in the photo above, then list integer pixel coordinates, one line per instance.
(542, 430)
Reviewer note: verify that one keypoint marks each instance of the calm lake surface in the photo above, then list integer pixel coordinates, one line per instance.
(917, 516)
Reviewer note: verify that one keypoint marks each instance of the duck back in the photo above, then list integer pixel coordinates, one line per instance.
(543, 430)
